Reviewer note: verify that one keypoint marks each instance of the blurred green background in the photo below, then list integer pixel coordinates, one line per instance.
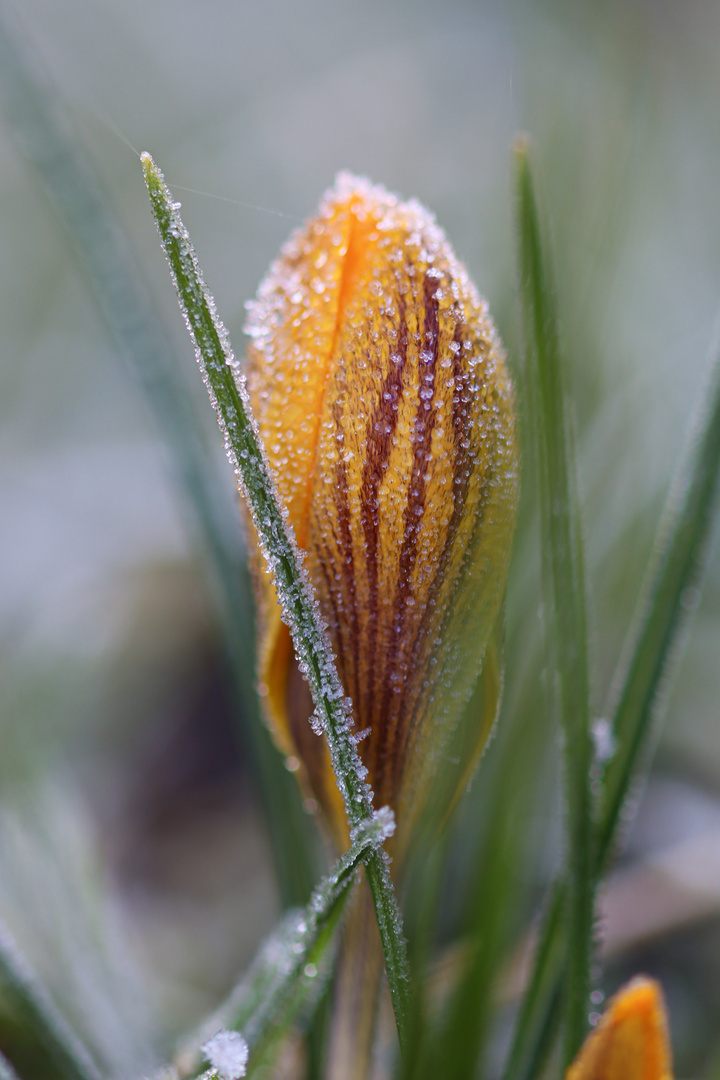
(134, 865)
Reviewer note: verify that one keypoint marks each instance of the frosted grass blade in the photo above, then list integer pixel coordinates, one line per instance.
(290, 971)
(226, 385)
(636, 698)
(34, 1036)
(540, 1006)
(46, 139)
(563, 590)
(669, 595)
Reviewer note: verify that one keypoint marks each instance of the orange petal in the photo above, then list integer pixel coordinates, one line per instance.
(387, 414)
(631, 1041)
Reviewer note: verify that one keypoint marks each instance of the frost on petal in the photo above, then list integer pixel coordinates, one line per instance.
(384, 403)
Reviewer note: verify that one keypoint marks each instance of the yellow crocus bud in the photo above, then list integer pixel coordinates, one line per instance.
(631, 1041)
(381, 392)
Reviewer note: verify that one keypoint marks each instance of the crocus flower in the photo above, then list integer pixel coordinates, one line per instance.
(631, 1040)
(381, 393)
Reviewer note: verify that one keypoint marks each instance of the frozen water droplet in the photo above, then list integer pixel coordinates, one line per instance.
(228, 1053)
(385, 818)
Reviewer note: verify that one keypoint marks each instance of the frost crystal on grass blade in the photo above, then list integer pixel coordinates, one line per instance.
(227, 1052)
(293, 964)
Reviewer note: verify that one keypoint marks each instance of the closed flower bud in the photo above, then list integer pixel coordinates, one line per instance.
(631, 1041)
(386, 410)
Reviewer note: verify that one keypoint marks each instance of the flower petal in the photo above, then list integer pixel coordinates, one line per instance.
(631, 1041)
(387, 414)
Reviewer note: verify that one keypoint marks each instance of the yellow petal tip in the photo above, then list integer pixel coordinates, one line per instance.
(631, 1040)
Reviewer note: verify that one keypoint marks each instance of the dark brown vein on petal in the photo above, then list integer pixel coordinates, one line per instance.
(324, 558)
(311, 750)
(487, 483)
(342, 505)
(423, 428)
(379, 434)
(462, 469)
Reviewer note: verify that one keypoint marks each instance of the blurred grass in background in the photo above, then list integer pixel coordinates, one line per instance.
(127, 815)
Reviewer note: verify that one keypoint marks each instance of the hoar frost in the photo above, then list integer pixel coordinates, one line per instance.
(228, 1053)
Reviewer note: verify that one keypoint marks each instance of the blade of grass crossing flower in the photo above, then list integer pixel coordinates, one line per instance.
(226, 385)
(289, 972)
(636, 700)
(563, 590)
(35, 1038)
(46, 138)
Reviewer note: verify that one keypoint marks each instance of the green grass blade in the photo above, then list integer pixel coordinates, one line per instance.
(289, 973)
(422, 900)
(668, 596)
(712, 1068)
(317, 1035)
(459, 1046)
(540, 1005)
(34, 1036)
(563, 590)
(47, 141)
(643, 673)
(226, 385)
